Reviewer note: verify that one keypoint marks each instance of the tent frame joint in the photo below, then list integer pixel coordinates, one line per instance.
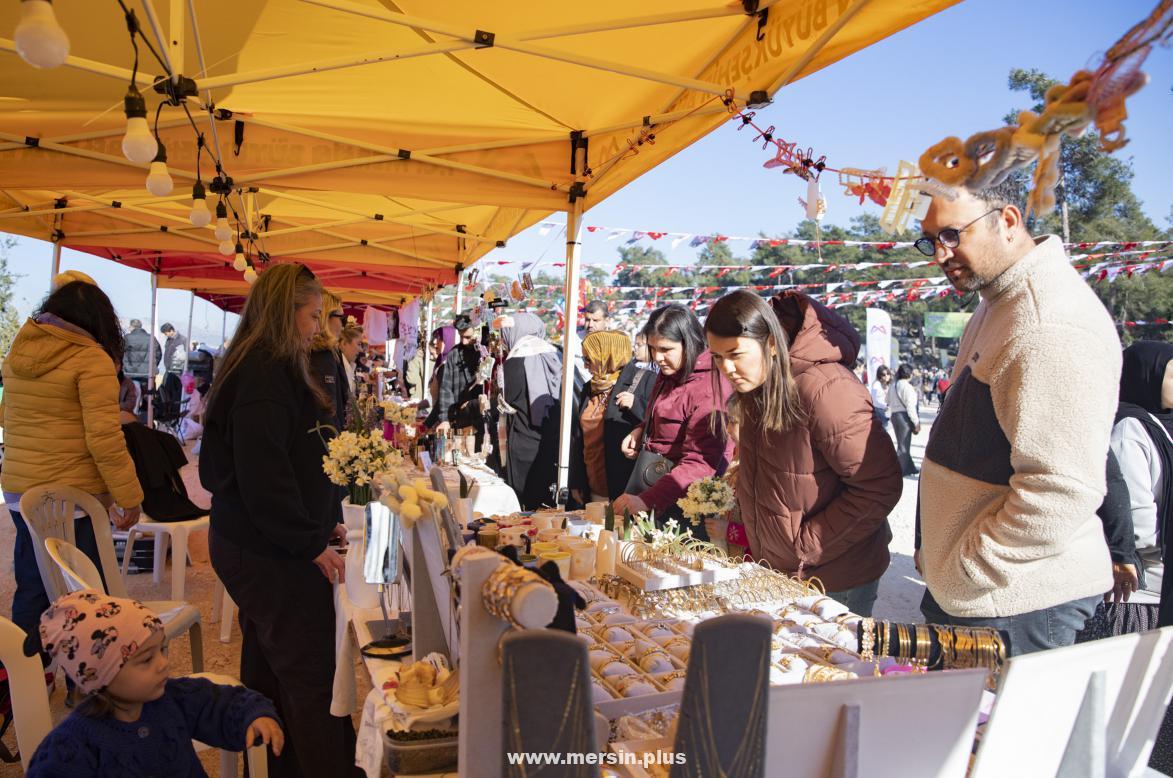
(483, 39)
(577, 190)
(404, 154)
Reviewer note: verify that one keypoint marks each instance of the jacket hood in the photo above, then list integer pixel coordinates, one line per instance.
(43, 344)
(818, 335)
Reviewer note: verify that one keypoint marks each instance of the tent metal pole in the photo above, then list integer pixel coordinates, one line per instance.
(428, 370)
(152, 344)
(160, 40)
(569, 307)
(190, 311)
(459, 306)
(91, 66)
(175, 39)
(832, 30)
(102, 203)
(305, 68)
(55, 266)
(223, 327)
(94, 155)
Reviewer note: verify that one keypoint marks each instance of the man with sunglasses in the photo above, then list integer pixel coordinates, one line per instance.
(1014, 468)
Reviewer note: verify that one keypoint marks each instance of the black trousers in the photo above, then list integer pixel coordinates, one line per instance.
(287, 620)
(902, 425)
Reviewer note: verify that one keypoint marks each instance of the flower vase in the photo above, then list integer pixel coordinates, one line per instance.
(354, 516)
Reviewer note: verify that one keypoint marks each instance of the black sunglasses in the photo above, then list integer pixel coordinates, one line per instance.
(949, 237)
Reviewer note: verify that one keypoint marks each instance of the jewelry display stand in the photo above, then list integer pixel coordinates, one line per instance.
(547, 699)
(433, 611)
(918, 726)
(452, 529)
(481, 692)
(723, 711)
(1091, 709)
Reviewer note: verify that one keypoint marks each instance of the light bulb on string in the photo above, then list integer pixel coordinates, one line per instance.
(39, 39)
(223, 228)
(200, 215)
(250, 275)
(159, 181)
(226, 248)
(240, 263)
(138, 144)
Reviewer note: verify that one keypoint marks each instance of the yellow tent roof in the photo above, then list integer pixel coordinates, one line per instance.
(376, 135)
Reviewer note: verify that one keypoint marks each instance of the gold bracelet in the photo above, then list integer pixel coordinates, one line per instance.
(867, 642)
(885, 646)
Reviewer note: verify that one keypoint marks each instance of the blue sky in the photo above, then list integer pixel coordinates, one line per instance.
(945, 76)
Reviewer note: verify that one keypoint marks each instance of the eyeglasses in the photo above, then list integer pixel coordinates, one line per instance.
(949, 237)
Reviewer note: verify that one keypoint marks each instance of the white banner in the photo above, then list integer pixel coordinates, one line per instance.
(409, 327)
(879, 341)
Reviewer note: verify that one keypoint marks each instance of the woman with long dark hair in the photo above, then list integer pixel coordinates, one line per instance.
(61, 424)
(817, 476)
(441, 343)
(273, 516)
(679, 424)
(905, 414)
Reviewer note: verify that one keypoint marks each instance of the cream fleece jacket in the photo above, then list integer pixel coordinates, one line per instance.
(1014, 468)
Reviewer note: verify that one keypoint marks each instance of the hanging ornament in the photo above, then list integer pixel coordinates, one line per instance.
(200, 216)
(39, 39)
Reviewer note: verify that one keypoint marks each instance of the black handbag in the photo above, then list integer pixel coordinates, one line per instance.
(650, 467)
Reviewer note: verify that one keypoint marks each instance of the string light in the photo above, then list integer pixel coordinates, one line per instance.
(39, 39)
(223, 228)
(200, 215)
(240, 263)
(250, 275)
(138, 144)
(159, 181)
(226, 248)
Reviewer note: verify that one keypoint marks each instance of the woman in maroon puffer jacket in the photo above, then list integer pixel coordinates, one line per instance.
(680, 420)
(818, 475)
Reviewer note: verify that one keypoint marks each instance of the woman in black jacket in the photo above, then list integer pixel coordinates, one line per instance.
(272, 517)
(613, 404)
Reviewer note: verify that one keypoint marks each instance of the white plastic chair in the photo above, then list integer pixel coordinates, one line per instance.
(175, 531)
(48, 511)
(26, 684)
(223, 611)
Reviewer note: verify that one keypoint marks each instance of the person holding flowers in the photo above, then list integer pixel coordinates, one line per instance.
(818, 476)
(273, 516)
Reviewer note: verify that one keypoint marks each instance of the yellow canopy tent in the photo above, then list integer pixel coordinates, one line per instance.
(371, 134)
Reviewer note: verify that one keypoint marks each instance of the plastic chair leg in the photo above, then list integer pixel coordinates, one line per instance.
(227, 764)
(258, 761)
(131, 536)
(178, 561)
(160, 555)
(227, 616)
(217, 600)
(196, 636)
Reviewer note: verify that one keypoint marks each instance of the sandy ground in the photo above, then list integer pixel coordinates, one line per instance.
(899, 598)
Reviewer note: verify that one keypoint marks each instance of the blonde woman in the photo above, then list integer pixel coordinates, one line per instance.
(326, 360)
(272, 516)
(349, 346)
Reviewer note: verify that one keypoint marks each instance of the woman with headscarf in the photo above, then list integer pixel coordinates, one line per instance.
(531, 390)
(442, 341)
(613, 404)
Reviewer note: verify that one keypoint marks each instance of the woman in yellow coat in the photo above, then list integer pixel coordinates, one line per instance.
(61, 424)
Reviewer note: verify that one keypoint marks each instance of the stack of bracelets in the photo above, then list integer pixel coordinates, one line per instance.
(933, 646)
